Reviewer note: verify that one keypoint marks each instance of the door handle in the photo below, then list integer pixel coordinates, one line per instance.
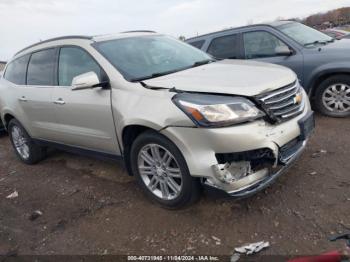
(59, 102)
(23, 99)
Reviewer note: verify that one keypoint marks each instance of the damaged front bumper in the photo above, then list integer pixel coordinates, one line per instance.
(244, 159)
(256, 180)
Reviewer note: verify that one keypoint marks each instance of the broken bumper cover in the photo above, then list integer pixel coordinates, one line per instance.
(252, 184)
(258, 151)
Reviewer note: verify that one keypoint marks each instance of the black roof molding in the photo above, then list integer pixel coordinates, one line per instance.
(273, 24)
(55, 39)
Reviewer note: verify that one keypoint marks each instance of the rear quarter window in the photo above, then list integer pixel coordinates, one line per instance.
(16, 70)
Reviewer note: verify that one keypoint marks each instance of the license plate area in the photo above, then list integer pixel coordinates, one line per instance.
(307, 125)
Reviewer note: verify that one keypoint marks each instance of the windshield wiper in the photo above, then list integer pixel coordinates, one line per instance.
(199, 63)
(155, 75)
(204, 62)
(316, 43)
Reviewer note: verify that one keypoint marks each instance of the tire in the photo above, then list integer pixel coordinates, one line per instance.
(2, 129)
(330, 91)
(174, 170)
(30, 153)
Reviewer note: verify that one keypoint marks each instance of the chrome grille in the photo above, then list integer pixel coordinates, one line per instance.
(284, 103)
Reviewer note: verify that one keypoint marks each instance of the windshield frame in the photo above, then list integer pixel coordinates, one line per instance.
(125, 75)
(306, 44)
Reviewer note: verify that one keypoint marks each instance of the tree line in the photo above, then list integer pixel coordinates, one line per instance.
(332, 18)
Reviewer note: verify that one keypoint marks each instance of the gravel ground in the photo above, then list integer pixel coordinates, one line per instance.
(92, 207)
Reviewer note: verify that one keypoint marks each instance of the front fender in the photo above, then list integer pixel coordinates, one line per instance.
(324, 70)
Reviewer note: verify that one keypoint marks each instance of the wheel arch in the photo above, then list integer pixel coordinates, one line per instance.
(318, 78)
(129, 134)
(7, 117)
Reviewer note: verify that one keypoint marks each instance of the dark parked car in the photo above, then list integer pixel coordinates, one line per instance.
(321, 62)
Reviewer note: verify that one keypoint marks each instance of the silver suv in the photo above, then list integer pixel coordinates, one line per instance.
(178, 118)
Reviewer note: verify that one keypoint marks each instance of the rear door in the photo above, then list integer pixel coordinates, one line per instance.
(14, 80)
(262, 45)
(84, 116)
(33, 85)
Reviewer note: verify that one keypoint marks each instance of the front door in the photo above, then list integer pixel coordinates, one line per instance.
(262, 46)
(84, 116)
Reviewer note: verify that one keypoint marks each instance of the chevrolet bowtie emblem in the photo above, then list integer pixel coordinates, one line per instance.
(297, 99)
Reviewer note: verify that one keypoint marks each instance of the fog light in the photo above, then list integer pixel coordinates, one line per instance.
(231, 172)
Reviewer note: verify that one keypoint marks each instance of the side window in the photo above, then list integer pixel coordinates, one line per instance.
(16, 70)
(225, 47)
(41, 68)
(74, 61)
(198, 44)
(261, 44)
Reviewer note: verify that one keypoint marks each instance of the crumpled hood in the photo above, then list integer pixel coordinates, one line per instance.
(237, 77)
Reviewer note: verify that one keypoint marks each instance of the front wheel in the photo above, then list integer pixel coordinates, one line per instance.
(162, 172)
(332, 97)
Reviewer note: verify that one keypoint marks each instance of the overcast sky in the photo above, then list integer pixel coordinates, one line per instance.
(24, 22)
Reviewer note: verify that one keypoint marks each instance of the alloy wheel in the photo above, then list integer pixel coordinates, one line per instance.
(160, 171)
(336, 98)
(20, 142)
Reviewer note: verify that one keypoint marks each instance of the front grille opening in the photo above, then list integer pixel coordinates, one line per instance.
(285, 110)
(284, 103)
(257, 158)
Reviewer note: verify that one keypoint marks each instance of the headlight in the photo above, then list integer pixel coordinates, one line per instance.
(217, 110)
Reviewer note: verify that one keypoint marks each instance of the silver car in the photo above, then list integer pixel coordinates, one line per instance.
(178, 118)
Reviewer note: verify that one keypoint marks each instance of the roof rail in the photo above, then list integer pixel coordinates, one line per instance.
(55, 39)
(139, 31)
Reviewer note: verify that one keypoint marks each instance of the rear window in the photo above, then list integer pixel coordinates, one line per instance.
(225, 47)
(16, 70)
(41, 68)
(198, 44)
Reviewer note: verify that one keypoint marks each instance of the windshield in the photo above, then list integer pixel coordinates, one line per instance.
(144, 57)
(303, 34)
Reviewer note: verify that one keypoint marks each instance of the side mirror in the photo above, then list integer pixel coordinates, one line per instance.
(283, 51)
(85, 81)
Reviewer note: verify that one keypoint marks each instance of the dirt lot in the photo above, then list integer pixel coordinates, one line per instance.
(92, 207)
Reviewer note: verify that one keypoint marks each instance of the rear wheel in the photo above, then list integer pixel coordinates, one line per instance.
(25, 148)
(332, 98)
(162, 172)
